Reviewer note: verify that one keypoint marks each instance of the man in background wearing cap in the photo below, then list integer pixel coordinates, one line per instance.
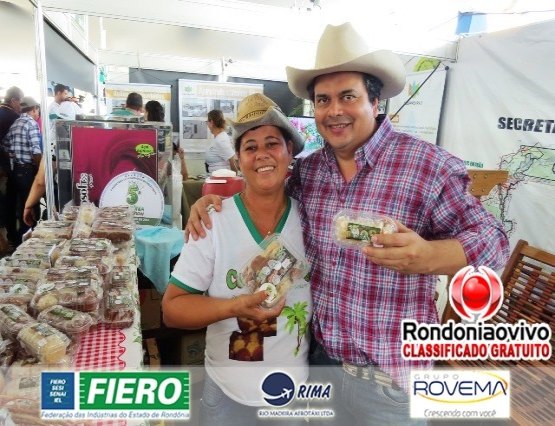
(9, 112)
(360, 297)
(23, 143)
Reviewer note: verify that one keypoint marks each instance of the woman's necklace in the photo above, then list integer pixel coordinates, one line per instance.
(264, 230)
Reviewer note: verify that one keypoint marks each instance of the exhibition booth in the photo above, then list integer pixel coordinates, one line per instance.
(486, 98)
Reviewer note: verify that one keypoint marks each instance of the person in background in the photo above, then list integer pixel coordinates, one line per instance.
(367, 165)
(219, 154)
(23, 142)
(244, 341)
(32, 204)
(10, 109)
(154, 111)
(133, 106)
(61, 94)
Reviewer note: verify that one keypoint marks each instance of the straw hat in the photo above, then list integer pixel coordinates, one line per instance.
(341, 48)
(259, 110)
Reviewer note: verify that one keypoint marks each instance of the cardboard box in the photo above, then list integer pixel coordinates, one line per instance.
(192, 348)
(151, 313)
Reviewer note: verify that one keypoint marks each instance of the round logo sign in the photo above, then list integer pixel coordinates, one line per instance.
(278, 389)
(139, 191)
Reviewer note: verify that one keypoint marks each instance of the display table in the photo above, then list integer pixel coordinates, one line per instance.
(192, 191)
(156, 246)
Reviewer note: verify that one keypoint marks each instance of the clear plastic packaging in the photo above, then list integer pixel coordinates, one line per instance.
(273, 270)
(17, 293)
(353, 228)
(88, 247)
(13, 319)
(103, 264)
(9, 274)
(122, 214)
(82, 295)
(73, 323)
(44, 342)
(8, 348)
(70, 213)
(123, 276)
(114, 231)
(85, 217)
(26, 261)
(119, 308)
(53, 229)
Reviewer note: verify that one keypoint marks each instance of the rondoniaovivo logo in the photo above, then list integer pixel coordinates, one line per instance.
(476, 295)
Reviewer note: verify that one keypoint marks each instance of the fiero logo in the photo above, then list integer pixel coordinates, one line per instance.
(465, 392)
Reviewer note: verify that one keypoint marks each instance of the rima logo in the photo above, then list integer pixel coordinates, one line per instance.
(460, 394)
(144, 395)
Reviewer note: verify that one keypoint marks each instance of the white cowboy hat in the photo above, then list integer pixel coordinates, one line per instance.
(341, 48)
(259, 110)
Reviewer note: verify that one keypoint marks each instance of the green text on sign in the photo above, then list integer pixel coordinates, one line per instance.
(134, 390)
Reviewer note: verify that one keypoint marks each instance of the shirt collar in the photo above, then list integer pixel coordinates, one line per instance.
(371, 150)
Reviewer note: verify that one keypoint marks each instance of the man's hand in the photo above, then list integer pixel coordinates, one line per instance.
(199, 218)
(408, 253)
(29, 216)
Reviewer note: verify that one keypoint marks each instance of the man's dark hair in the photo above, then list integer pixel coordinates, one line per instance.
(217, 117)
(29, 108)
(373, 87)
(58, 88)
(286, 135)
(134, 101)
(13, 92)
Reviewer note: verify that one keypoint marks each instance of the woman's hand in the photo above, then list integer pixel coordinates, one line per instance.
(248, 306)
(199, 218)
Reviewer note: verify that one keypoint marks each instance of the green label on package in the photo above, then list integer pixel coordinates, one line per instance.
(356, 231)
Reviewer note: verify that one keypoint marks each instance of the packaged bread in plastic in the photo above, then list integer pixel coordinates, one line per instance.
(53, 229)
(13, 319)
(273, 270)
(73, 323)
(88, 247)
(103, 264)
(69, 213)
(8, 349)
(123, 276)
(44, 342)
(26, 262)
(18, 292)
(82, 295)
(23, 387)
(122, 214)
(9, 274)
(119, 308)
(353, 228)
(114, 231)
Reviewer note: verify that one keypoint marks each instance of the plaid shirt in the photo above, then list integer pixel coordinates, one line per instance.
(23, 140)
(359, 306)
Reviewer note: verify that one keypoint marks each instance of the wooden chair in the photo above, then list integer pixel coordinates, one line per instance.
(529, 294)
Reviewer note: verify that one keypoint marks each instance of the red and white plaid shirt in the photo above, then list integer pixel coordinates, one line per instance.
(359, 306)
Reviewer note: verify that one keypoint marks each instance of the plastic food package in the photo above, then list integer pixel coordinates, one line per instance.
(123, 276)
(353, 228)
(8, 349)
(88, 247)
(19, 292)
(12, 320)
(70, 213)
(69, 321)
(103, 264)
(122, 214)
(44, 342)
(119, 308)
(114, 231)
(273, 270)
(53, 229)
(82, 295)
(26, 262)
(9, 274)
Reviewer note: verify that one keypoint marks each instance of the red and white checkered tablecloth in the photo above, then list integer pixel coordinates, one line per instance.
(101, 349)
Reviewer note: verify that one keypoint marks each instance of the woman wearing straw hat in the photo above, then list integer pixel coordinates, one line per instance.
(245, 342)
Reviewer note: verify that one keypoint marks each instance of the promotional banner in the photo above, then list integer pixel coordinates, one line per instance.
(499, 114)
(420, 116)
(116, 95)
(115, 167)
(197, 98)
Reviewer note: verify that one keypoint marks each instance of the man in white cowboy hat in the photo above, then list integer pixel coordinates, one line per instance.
(360, 297)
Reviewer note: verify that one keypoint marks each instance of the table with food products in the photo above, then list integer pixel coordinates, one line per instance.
(68, 301)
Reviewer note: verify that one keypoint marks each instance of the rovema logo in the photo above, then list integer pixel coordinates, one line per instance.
(460, 394)
(476, 296)
(279, 389)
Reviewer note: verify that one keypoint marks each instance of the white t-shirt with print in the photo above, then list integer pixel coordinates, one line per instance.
(211, 265)
(219, 152)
